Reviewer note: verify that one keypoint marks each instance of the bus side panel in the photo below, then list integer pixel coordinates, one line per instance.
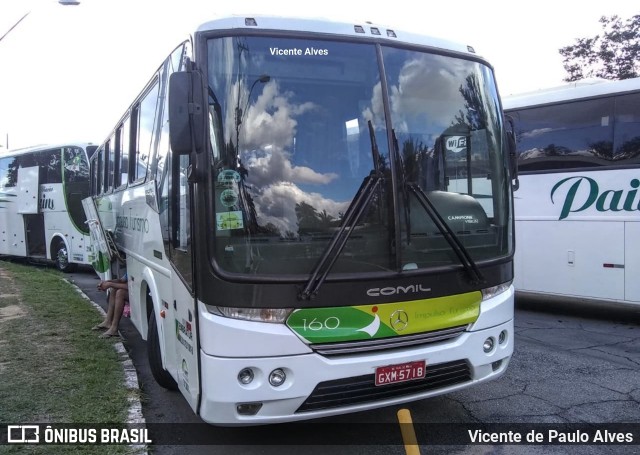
(80, 248)
(632, 261)
(12, 232)
(564, 258)
(28, 189)
(185, 335)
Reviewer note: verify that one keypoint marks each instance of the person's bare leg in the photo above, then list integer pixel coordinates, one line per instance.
(121, 296)
(110, 309)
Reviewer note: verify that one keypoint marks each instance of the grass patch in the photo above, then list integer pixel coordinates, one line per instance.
(53, 368)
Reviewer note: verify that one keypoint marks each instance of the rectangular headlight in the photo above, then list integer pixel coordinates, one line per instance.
(274, 315)
(493, 291)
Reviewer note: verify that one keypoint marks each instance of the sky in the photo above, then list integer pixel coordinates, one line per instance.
(67, 73)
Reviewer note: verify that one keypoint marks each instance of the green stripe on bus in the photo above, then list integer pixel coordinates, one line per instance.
(101, 264)
(364, 322)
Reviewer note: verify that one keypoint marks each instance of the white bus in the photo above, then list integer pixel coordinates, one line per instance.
(578, 207)
(283, 193)
(41, 193)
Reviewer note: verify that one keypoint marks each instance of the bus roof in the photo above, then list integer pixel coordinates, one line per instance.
(38, 148)
(354, 30)
(589, 88)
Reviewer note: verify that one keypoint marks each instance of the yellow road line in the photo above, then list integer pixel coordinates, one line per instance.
(408, 432)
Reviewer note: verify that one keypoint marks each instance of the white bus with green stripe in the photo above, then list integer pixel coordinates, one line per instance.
(41, 214)
(317, 218)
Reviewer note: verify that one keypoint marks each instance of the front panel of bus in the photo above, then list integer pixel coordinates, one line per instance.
(354, 212)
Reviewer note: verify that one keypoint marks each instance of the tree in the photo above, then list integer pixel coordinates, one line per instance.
(614, 55)
(326, 220)
(307, 217)
(475, 115)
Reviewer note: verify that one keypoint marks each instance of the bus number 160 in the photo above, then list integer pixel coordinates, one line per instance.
(331, 323)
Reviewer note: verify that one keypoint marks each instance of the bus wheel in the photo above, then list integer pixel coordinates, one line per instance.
(162, 376)
(61, 258)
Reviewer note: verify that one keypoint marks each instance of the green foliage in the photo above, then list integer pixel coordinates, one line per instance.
(613, 55)
(53, 368)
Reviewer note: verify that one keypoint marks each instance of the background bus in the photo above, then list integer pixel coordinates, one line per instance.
(578, 206)
(295, 248)
(41, 214)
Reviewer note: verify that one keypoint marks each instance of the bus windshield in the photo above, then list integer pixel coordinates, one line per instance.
(298, 128)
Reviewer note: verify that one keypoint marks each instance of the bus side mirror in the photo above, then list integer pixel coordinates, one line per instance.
(186, 112)
(513, 154)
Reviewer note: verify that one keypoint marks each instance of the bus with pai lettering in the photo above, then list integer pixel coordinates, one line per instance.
(41, 213)
(316, 218)
(578, 205)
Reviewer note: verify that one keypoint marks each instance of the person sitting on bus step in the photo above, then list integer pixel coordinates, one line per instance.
(118, 297)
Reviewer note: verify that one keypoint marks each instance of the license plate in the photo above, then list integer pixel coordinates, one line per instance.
(391, 374)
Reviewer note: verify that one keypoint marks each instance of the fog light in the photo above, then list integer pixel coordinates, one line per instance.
(248, 409)
(502, 337)
(488, 344)
(496, 365)
(277, 377)
(245, 376)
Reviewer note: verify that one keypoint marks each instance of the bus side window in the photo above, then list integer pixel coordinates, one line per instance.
(75, 165)
(565, 136)
(40, 159)
(123, 152)
(172, 64)
(94, 176)
(145, 123)
(627, 128)
(8, 172)
(162, 180)
(105, 167)
(163, 153)
(110, 163)
(99, 168)
(50, 163)
(117, 146)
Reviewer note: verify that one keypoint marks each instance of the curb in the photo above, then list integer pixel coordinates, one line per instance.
(134, 414)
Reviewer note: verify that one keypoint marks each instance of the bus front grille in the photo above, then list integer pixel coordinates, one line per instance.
(362, 389)
(356, 347)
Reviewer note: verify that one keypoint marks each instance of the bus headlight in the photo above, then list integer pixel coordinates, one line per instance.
(488, 344)
(277, 377)
(273, 315)
(493, 291)
(245, 376)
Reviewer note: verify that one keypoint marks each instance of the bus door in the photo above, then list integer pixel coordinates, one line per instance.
(632, 262)
(28, 206)
(28, 186)
(100, 252)
(184, 325)
(34, 235)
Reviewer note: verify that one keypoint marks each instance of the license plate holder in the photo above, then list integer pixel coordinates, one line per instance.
(403, 372)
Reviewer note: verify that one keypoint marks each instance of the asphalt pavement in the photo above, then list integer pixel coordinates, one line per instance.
(574, 363)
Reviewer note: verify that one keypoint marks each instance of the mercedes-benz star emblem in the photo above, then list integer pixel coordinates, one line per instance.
(399, 320)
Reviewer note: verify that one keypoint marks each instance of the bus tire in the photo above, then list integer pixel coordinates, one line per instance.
(61, 258)
(162, 376)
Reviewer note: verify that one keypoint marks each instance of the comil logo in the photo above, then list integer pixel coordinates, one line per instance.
(23, 434)
(398, 290)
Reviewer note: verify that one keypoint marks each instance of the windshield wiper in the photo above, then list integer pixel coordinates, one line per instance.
(350, 220)
(405, 192)
(475, 275)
